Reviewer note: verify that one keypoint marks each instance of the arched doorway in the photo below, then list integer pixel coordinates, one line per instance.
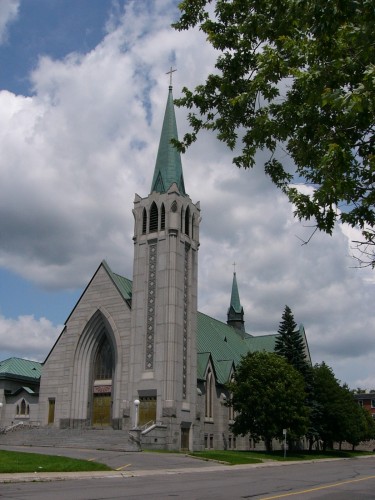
(102, 384)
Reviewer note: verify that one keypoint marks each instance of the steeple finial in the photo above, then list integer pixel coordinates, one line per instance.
(168, 167)
(170, 76)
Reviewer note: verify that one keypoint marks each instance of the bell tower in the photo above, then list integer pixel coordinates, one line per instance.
(163, 356)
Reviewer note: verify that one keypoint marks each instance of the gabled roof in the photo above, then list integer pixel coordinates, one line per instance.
(225, 344)
(168, 167)
(18, 367)
(23, 389)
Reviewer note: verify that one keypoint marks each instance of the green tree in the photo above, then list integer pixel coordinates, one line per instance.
(335, 416)
(298, 77)
(290, 343)
(362, 426)
(268, 396)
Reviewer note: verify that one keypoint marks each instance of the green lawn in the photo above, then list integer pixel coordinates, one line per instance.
(251, 457)
(13, 461)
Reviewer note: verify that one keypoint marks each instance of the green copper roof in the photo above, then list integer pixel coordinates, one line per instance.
(235, 296)
(168, 167)
(124, 285)
(20, 367)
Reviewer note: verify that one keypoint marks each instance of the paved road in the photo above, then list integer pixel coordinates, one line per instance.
(162, 476)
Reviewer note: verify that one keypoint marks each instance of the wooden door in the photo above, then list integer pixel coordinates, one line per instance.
(101, 411)
(51, 410)
(147, 410)
(185, 438)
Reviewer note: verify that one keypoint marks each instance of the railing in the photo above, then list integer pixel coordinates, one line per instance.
(14, 427)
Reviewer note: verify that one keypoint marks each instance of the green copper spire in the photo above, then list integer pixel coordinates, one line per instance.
(235, 311)
(168, 167)
(235, 296)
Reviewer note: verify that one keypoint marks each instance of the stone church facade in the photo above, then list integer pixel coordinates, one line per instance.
(137, 353)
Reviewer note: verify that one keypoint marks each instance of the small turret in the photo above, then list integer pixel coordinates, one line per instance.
(235, 311)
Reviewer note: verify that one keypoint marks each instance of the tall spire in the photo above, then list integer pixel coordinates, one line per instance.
(168, 167)
(235, 311)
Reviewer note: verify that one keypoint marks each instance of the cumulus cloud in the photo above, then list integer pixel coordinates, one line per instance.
(75, 153)
(27, 337)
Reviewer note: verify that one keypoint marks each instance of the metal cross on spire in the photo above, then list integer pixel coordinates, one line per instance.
(170, 75)
(234, 267)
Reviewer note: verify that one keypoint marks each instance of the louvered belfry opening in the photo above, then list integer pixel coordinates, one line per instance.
(144, 221)
(162, 217)
(154, 216)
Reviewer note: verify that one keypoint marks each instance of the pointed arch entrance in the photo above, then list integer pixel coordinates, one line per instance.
(94, 374)
(102, 384)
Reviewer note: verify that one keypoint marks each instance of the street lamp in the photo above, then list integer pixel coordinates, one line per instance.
(136, 407)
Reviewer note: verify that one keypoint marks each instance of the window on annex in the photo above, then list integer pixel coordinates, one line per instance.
(154, 216)
(23, 409)
(373, 403)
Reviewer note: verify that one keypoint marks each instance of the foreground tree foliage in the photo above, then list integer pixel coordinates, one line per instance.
(268, 396)
(295, 76)
(290, 343)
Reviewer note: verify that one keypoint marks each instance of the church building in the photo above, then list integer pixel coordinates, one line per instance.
(137, 353)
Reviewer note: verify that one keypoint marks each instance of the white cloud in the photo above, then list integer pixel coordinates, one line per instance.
(74, 154)
(8, 14)
(27, 337)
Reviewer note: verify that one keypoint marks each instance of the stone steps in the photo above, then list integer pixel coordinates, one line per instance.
(99, 439)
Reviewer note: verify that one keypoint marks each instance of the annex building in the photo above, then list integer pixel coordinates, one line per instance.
(137, 352)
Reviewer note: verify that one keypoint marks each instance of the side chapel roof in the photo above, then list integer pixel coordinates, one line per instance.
(18, 367)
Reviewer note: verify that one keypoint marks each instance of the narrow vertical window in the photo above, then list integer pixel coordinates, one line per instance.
(209, 395)
(154, 216)
(162, 217)
(192, 226)
(144, 221)
(187, 221)
(182, 219)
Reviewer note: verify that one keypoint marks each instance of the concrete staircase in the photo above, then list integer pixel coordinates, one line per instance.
(97, 439)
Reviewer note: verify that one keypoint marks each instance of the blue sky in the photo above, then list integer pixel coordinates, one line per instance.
(83, 88)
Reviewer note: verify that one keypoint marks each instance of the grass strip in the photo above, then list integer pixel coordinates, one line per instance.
(17, 462)
(251, 457)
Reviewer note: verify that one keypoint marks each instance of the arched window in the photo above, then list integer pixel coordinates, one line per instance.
(23, 407)
(192, 226)
(104, 361)
(162, 217)
(182, 219)
(154, 216)
(187, 221)
(209, 395)
(144, 221)
(18, 410)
